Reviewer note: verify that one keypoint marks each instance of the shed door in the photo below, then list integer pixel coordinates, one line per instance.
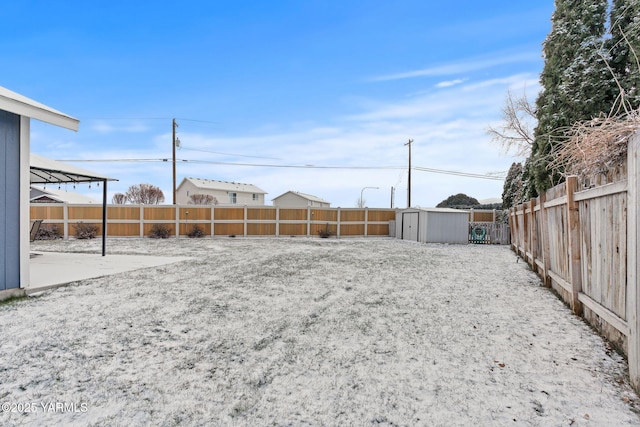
(410, 226)
(9, 200)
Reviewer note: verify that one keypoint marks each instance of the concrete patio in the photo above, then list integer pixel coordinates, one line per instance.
(53, 269)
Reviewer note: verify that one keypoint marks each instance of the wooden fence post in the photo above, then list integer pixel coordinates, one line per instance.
(633, 259)
(65, 217)
(177, 221)
(366, 221)
(573, 225)
(513, 230)
(534, 236)
(525, 231)
(213, 220)
(544, 235)
(141, 216)
(244, 227)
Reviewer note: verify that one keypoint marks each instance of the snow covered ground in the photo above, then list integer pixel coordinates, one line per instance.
(297, 331)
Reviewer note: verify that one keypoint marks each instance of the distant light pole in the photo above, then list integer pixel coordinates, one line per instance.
(362, 191)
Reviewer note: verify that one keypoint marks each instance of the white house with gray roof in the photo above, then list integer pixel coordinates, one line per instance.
(223, 192)
(295, 199)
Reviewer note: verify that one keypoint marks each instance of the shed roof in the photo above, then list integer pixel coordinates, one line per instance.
(18, 104)
(61, 195)
(46, 171)
(212, 184)
(304, 196)
(441, 210)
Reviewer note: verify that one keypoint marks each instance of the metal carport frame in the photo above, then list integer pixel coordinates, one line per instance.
(48, 171)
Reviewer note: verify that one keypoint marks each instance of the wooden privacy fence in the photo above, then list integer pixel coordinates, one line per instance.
(138, 220)
(584, 243)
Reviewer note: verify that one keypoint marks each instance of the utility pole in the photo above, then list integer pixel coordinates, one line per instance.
(392, 191)
(175, 125)
(409, 182)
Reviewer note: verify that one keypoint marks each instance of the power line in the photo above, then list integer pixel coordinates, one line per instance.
(464, 174)
(288, 166)
(229, 154)
(197, 121)
(266, 165)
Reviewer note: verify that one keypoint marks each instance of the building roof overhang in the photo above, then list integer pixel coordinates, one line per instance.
(21, 105)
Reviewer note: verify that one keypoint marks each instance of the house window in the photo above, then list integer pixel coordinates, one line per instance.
(233, 198)
(255, 197)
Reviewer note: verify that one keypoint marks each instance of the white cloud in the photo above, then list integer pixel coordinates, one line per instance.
(463, 67)
(450, 83)
(107, 127)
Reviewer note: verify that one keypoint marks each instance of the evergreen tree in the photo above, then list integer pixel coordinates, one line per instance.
(528, 184)
(574, 82)
(625, 48)
(512, 193)
(459, 200)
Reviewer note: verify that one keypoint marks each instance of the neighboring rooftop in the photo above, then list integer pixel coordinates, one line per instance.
(212, 184)
(305, 196)
(60, 195)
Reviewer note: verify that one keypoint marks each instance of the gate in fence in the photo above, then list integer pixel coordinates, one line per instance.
(485, 233)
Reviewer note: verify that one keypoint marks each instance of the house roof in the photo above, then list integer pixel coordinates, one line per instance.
(441, 210)
(212, 184)
(63, 195)
(45, 171)
(23, 106)
(304, 196)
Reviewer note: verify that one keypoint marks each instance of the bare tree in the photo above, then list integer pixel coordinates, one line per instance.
(144, 194)
(119, 199)
(361, 202)
(202, 199)
(516, 131)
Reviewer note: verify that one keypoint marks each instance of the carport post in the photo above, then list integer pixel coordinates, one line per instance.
(104, 217)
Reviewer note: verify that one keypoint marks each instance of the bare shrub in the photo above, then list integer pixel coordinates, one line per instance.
(196, 232)
(49, 232)
(325, 232)
(85, 231)
(202, 199)
(160, 231)
(119, 199)
(145, 194)
(596, 146)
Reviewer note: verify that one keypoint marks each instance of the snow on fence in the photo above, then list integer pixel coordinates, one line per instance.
(138, 220)
(585, 243)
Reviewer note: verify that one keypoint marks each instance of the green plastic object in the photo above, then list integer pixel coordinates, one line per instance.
(478, 234)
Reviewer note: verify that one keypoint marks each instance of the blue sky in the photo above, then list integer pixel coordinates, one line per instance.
(281, 83)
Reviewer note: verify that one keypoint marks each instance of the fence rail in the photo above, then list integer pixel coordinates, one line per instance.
(584, 243)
